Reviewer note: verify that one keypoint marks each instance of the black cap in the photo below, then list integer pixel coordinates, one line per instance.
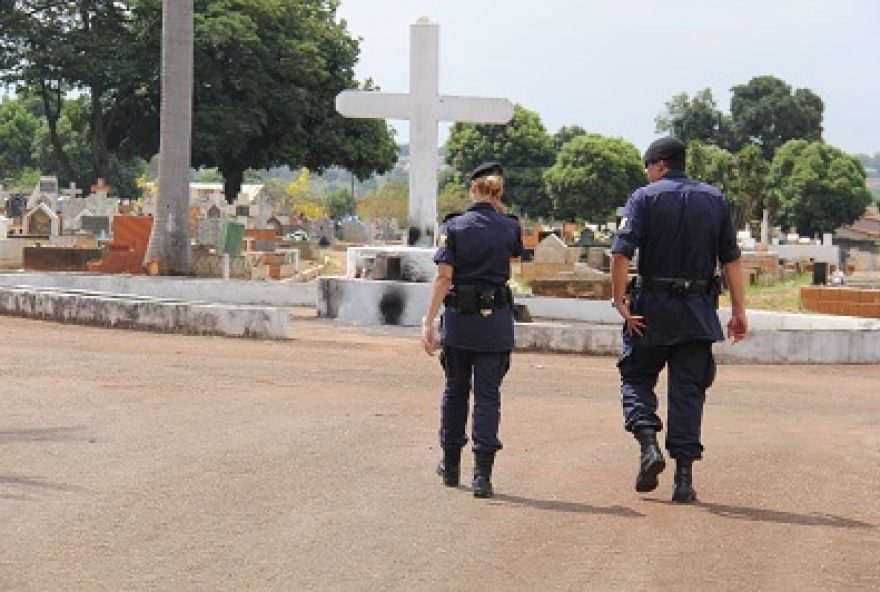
(668, 148)
(486, 169)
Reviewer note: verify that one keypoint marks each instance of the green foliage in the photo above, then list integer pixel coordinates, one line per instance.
(565, 134)
(18, 127)
(208, 175)
(389, 201)
(818, 186)
(452, 198)
(695, 118)
(339, 203)
(593, 175)
(106, 50)
(124, 174)
(522, 146)
(711, 164)
(749, 194)
(268, 74)
(766, 112)
(26, 178)
(741, 176)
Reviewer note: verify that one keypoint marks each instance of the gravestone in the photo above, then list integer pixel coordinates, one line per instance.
(101, 205)
(322, 228)
(45, 192)
(551, 250)
(71, 193)
(424, 107)
(15, 206)
(41, 221)
(100, 188)
(208, 232)
(231, 237)
(353, 231)
(95, 225)
(71, 209)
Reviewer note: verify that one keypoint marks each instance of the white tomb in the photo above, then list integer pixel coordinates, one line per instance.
(40, 219)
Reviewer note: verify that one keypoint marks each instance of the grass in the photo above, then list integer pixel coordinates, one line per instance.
(783, 296)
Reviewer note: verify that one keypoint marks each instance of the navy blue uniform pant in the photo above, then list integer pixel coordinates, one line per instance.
(485, 371)
(690, 371)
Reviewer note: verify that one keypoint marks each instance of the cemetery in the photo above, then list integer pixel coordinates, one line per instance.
(251, 252)
(178, 459)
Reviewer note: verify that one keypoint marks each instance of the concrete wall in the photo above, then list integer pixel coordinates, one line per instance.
(828, 253)
(266, 293)
(144, 313)
(373, 302)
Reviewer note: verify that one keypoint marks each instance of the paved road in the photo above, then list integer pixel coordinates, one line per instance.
(134, 461)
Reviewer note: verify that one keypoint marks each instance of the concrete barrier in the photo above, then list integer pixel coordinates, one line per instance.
(144, 313)
(264, 293)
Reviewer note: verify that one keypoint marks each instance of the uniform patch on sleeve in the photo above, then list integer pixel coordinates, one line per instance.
(623, 222)
(441, 240)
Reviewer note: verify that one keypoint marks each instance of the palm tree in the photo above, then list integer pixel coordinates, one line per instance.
(169, 240)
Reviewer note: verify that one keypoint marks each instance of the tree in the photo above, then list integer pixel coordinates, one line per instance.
(695, 119)
(107, 50)
(766, 112)
(593, 175)
(169, 239)
(18, 128)
(565, 134)
(452, 198)
(711, 164)
(748, 192)
(389, 201)
(741, 176)
(339, 203)
(268, 75)
(819, 187)
(522, 146)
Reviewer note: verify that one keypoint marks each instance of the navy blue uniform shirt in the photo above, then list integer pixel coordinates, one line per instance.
(478, 244)
(682, 228)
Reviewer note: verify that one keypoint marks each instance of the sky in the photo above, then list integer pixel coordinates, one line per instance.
(610, 66)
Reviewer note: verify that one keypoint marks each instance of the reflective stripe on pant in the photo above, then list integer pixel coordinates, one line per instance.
(485, 370)
(690, 371)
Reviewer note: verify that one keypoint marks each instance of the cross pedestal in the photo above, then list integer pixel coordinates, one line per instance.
(424, 107)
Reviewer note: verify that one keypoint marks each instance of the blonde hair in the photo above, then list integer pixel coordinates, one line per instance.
(491, 186)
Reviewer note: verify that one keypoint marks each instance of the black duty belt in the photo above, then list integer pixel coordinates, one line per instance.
(470, 299)
(675, 286)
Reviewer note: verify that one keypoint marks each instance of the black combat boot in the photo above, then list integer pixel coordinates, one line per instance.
(651, 462)
(482, 484)
(684, 492)
(450, 467)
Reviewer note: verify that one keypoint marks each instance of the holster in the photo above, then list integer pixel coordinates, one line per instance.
(470, 299)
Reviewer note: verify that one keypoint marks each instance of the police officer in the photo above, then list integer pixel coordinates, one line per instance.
(476, 328)
(682, 230)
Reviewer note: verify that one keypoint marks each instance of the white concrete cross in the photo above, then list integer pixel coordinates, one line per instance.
(72, 192)
(424, 107)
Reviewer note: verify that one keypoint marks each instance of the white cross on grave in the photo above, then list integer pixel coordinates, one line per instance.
(72, 191)
(424, 107)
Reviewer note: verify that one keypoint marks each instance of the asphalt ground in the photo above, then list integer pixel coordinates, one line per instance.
(137, 461)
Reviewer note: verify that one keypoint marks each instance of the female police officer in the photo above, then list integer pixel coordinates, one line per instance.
(473, 267)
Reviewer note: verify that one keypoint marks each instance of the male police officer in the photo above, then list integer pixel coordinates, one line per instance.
(682, 230)
(473, 267)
